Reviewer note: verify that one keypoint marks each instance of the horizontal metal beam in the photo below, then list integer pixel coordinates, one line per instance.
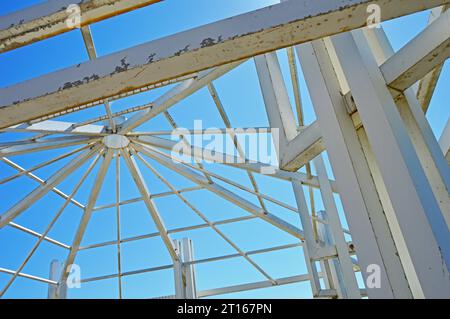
(231, 160)
(155, 195)
(194, 262)
(175, 95)
(46, 144)
(57, 127)
(36, 278)
(49, 19)
(169, 231)
(221, 191)
(252, 286)
(414, 61)
(303, 148)
(39, 180)
(247, 130)
(38, 235)
(47, 186)
(222, 42)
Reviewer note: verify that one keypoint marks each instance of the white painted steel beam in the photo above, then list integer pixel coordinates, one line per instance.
(428, 84)
(43, 189)
(310, 246)
(294, 148)
(48, 19)
(151, 207)
(428, 50)
(184, 272)
(45, 144)
(202, 216)
(154, 195)
(276, 100)
(41, 165)
(365, 216)
(220, 191)
(170, 231)
(27, 276)
(349, 287)
(38, 235)
(303, 148)
(52, 290)
(425, 253)
(215, 44)
(82, 226)
(57, 127)
(252, 286)
(175, 95)
(39, 180)
(200, 154)
(425, 143)
(55, 271)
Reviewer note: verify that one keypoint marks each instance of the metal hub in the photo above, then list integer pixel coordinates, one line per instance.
(115, 141)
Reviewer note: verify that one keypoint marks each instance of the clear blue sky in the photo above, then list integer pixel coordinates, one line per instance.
(240, 93)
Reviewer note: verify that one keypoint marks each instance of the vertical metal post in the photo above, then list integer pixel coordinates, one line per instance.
(309, 244)
(425, 143)
(184, 271)
(55, 273)
(424, 240)
(365, 215)
(333, 266)
(350, 288)
(178, 272)
(276, 99)
(188, 269)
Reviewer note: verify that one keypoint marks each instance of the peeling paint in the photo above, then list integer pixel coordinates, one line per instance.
(123, 66)
(86, 79)
(151, 57)
(186, 49)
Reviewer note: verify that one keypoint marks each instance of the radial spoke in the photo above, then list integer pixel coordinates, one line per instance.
(248, 130)
(44, 145)
(237, 185)
(222, 192)
(11, 272)
(174, 125)
(230, 160)
(49, 227)
(119, 263)
(57, 127)
(38, 235)
(227, 122)
(43, 189)
(39, 180)
(206, 220)
(51, 161)
(176, 94)
(141, 185)
(95, 191)
(155, 195)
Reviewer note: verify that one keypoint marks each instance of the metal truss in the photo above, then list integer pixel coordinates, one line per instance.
(391, 173)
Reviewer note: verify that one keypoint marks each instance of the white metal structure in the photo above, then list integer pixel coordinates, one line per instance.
(391, 173)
